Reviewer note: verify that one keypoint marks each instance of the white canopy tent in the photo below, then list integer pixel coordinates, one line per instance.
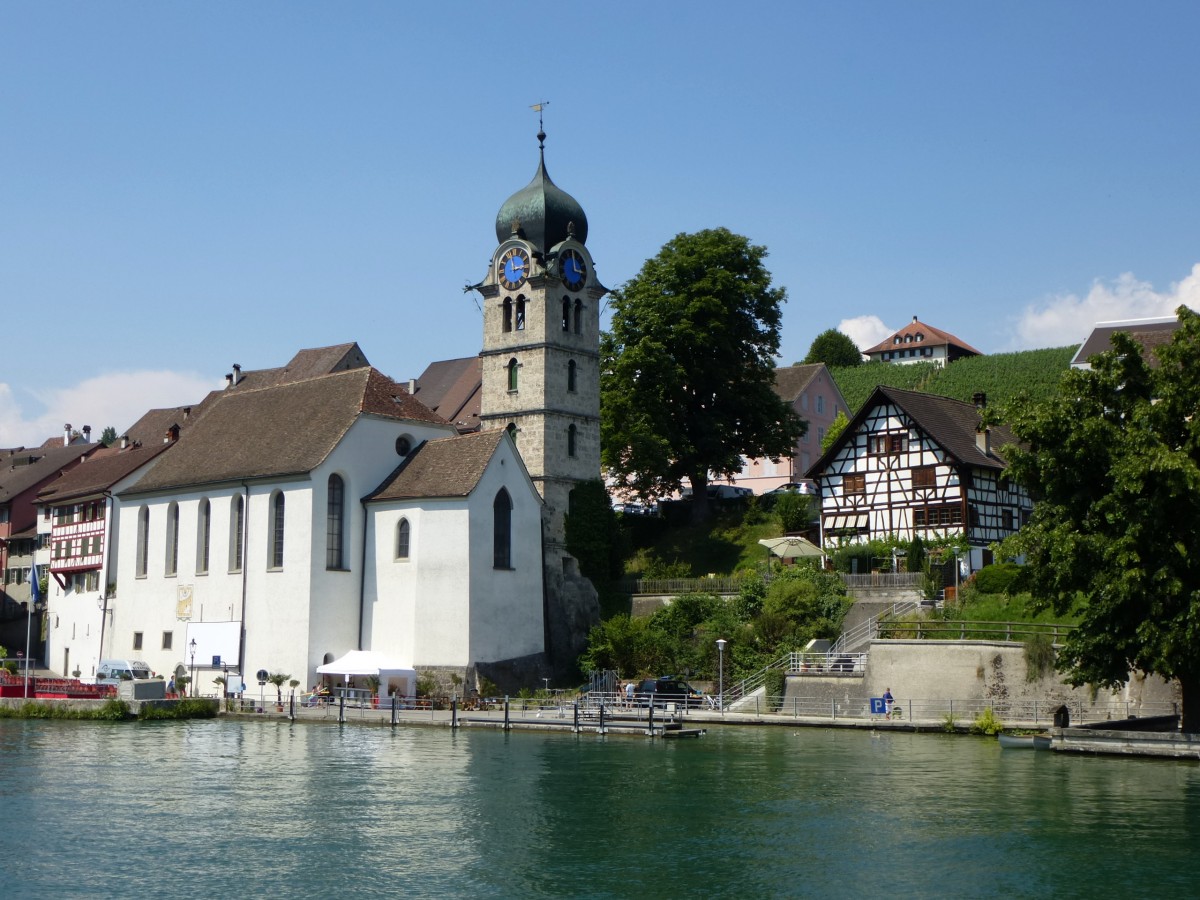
(395, 678)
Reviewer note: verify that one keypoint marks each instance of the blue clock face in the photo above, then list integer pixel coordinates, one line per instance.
(514, 267)
(573, 269)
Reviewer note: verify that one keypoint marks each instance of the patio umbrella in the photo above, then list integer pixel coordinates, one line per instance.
(792, 547)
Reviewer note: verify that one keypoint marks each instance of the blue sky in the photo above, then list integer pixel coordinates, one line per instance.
(190, 185)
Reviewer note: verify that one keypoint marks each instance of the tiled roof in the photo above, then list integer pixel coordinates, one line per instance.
(453, 389)
(933, 337)
(99, 472)
(24, 469)
(790, 381)
(450, 467)
(951, 423)
(283, 430)
(1150, 333)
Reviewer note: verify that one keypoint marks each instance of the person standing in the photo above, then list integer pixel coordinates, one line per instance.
(629, 693)
(888, 700)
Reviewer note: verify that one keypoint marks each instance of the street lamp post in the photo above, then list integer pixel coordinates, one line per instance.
(721, 673)
(193, 679)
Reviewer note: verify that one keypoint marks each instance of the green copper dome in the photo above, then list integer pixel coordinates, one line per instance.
(544, 211)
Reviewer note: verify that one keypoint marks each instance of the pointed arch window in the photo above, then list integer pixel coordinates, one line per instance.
(579, 317)
(572, 369)
(335, 515)
(277, 521)
(172, 561)
(520, 314)
(512, 431)
(512, 374)
(143, 541)
(572, 431)
(203, 530)
(566, 318)
(237, 522)
(403, 539)
(502, 531)
(508, 314)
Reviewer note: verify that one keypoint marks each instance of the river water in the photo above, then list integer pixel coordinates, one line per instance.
(271, 809)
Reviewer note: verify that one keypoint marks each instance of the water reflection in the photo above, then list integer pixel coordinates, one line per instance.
(168, 809)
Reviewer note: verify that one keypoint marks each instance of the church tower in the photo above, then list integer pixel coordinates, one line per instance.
(541, 344)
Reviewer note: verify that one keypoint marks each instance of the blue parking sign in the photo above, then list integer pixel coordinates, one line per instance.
(878, 706)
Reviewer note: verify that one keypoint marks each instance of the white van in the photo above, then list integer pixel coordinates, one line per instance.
(112, 671)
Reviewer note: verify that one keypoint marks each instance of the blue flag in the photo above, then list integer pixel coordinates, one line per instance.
(35, 587)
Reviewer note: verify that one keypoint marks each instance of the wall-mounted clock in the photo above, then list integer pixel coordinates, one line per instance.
(514, 267)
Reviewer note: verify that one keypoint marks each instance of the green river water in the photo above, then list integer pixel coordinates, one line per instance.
(271, 809)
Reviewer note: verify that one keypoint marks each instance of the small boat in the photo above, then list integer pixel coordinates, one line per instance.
(1025, 741)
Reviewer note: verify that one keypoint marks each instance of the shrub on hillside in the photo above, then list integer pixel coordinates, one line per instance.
(997, 578)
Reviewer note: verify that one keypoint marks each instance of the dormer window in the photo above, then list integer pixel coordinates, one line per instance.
(920, 337)
(896, 339)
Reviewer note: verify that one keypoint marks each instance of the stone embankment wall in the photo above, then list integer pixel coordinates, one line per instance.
(984, 671)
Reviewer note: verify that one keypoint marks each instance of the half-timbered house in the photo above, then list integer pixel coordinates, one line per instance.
(913, 464)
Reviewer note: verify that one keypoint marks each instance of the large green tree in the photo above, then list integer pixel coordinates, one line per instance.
(834, 349)
(688, 369)
(1113, 464)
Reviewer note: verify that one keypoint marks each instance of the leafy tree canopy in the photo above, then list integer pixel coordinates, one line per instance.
(834, 349)
(1113, 463)
(834, 431)
(108, 437)
(688, 369)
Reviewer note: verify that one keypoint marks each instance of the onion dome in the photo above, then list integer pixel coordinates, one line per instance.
(543, 213)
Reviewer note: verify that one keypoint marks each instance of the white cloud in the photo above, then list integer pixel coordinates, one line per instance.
(1066, 319)
(865, 331)
(115, 398)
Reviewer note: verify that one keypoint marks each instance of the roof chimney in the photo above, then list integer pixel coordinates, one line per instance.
(172, 435)
(237, 373)
(914, 318)
(187, 412)
(412, 386)
(980, 400)
(87, 434)
(67, 435)
(124, 441)
(228, 380)
(983, 440)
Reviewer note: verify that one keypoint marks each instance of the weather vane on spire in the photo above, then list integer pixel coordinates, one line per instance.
(537, 108)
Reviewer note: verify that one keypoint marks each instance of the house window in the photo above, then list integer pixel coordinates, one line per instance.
(854, 484)
(276, 559)
(334, 520)
(512, 374)
(820, 404)
(566, 314)
(168, 639)
(507, 314)
(502, 531)
(1006, 517)
(571, 432)
(172, 562)
(520, 314)
(137, 640)
(143, 541)
(579, 317)
(888, 444)
(237, 521)
(571, 371)
(403, 445)
(202, 535)
(924, 477)
(512, 431)
(403, 537)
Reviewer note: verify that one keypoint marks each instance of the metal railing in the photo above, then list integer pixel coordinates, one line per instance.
(963, 630)
(915, 580)
(867, 631)
(740, 689)
(827, 663)
(721, 584)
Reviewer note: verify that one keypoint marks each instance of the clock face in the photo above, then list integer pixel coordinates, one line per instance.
(573, 268)
(514, 267)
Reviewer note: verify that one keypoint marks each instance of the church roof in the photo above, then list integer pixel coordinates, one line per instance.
(450, 467)
(453, 389)
(542, 210)
(287, 429)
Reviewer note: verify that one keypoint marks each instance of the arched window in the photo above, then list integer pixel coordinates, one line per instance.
(203, 529)
(566, 322)
(237, 522)
(502, 531)
(172, 560)
(403, 536)
(571, 369)
(508, 314)
(275, 560)
(579, 317)
(143, 541)
(512, 374)
(335, 514)
(571, 432)
(512, 431)
(520, 314)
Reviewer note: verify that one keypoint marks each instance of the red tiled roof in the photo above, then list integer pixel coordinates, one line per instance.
(933, 337)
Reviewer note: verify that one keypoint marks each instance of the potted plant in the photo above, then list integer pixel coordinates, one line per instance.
(277, 679)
